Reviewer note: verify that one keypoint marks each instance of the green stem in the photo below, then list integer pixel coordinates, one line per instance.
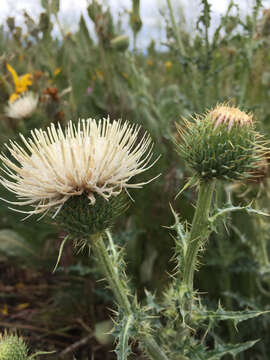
(225, 275)
(249, 55)
(120, 289)
(110, 271)
(262, 241)
(175, 30)
(183, 53)
(198, 231)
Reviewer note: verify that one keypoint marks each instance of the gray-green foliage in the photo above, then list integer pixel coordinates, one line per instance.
(231, 65)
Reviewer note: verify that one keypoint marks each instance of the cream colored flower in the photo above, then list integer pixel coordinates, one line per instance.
(23, 106)
(92, 157)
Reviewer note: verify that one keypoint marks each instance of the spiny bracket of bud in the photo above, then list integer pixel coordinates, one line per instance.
(12, 347)
(222, 144)
(81, 220)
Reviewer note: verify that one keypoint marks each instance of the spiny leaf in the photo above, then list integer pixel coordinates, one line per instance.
(231, 208)
(232, 349)
(236, 316)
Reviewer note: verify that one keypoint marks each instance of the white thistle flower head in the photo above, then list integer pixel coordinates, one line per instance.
(96, 159)
(22, 107)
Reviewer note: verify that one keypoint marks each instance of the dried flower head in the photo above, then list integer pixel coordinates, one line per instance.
(222, 144)
(12, 347)
(23, 106)
(92, 159)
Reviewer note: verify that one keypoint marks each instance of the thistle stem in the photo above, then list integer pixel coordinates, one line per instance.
(198, 231)
(119, 288)
(110, 271)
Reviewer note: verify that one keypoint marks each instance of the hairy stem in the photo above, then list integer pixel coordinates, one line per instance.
(183, 53)
(110, 271)
(175, 29)
(198, 231)
(108, 265)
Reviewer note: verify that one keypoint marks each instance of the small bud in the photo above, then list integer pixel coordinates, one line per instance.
(94, 10)
(222, 144)
(12, 347)
(120, 43)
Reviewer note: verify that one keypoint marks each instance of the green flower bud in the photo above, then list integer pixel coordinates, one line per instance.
(135, 18)
(223, 144)
(94, 10)
(12, 347)
(120, 43)
(81, 219)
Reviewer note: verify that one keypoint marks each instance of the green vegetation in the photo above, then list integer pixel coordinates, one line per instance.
(84, 75)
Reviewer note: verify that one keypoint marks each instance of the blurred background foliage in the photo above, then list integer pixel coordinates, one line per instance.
(83, 74)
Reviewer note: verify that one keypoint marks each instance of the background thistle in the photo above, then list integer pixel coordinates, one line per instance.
(222, 144)
(219, 145)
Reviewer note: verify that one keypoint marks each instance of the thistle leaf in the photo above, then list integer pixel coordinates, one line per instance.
(236, 316)
(231, 208)
(232, 349)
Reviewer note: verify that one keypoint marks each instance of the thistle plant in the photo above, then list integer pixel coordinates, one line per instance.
(221, 145)
(77, 176)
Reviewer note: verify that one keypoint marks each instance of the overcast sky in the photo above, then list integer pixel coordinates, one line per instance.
(150, 12)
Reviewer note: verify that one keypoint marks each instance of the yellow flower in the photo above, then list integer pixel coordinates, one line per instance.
(57, 71)
(4, 310)
(13, 97)
(125, 75)
(149, 62)
(99, 74)
(21, 82)
(22, 306)
(168, 65)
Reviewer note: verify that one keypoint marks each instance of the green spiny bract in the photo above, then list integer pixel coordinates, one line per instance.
(81, 219)
(12, 347)
(221, 145)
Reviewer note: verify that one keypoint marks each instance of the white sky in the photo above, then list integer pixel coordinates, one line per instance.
(150, 11)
